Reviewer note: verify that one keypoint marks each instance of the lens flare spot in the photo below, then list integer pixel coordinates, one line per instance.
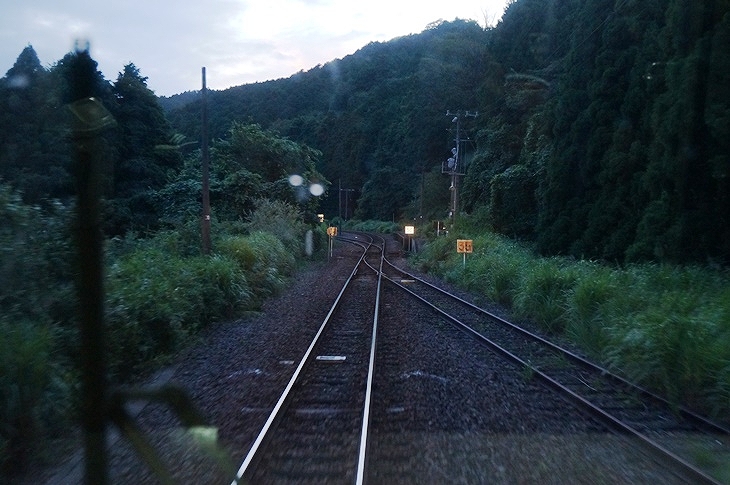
(316, 189)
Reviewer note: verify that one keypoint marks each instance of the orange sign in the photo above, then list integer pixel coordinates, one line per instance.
(464, 246)
(332, 231)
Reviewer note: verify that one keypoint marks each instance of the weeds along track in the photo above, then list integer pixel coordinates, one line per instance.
(678, 436)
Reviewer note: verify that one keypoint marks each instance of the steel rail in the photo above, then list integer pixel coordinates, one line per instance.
(295, 376)
(686, 412)
(360, 478)
(698, 475)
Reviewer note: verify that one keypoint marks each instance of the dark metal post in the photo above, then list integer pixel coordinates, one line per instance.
(90, 118)
(206, 171)
(92, 312)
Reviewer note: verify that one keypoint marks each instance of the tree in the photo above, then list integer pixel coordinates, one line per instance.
(34, 152)
(140, 168)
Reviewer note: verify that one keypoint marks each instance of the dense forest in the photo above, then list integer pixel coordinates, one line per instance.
(597, 130)
(602, 135)
(602, 129)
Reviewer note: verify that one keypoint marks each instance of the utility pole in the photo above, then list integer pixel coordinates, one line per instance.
(347, 198)
(455, 166)
(205, 226)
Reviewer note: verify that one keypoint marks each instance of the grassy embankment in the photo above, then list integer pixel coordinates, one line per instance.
(665, 327)
(160, 292)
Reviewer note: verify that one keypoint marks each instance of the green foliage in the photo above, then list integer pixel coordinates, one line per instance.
(33, 258)
(156, 299)
(672, 331)
(665, 326)
(382, 227)
(36, 299)
(543, 293)
(383, 195)
(24, 378)
(139, 168)
(273, 264)
(587, 316)
(34, 150)
(496, 269)
(280, 219)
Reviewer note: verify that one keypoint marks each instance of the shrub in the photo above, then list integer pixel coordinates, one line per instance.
(666, 327)
(586, 318)
(280, 219)
(543, 293)
(272, 264)
(156, 299)
(24, 379)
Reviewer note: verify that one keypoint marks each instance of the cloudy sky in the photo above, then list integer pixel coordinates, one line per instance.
(238, 41)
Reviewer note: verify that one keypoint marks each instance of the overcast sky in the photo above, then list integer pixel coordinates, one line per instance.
(238, 41)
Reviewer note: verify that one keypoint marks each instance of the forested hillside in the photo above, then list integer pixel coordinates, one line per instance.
(602, 129)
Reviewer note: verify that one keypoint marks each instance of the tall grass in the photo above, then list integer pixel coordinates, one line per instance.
(666, 327)
(159, 292)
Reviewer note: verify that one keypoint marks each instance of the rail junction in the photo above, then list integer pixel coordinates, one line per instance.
(318, 432)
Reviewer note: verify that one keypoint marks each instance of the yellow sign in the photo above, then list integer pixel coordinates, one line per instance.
(332, 231)
(410, 230)
(464, 246)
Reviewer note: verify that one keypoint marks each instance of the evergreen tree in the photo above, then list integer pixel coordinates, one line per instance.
(33, 147)
(141, 167)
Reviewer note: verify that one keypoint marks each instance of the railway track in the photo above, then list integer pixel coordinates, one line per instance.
(317, 432)
(656, 424)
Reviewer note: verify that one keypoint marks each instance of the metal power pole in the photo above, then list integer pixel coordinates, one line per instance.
(347, 199)
(455, 165)
(206, 171)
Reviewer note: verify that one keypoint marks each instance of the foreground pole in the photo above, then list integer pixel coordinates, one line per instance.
(90, 118)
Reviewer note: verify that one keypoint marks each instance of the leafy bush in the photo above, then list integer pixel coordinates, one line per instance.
(157, 299)
(35, 259)
(587, 318)
(496, 269)
(37, 312)
(272, 264)
(543, 293)
(25, 371)
(673, 332)
(281, 220)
